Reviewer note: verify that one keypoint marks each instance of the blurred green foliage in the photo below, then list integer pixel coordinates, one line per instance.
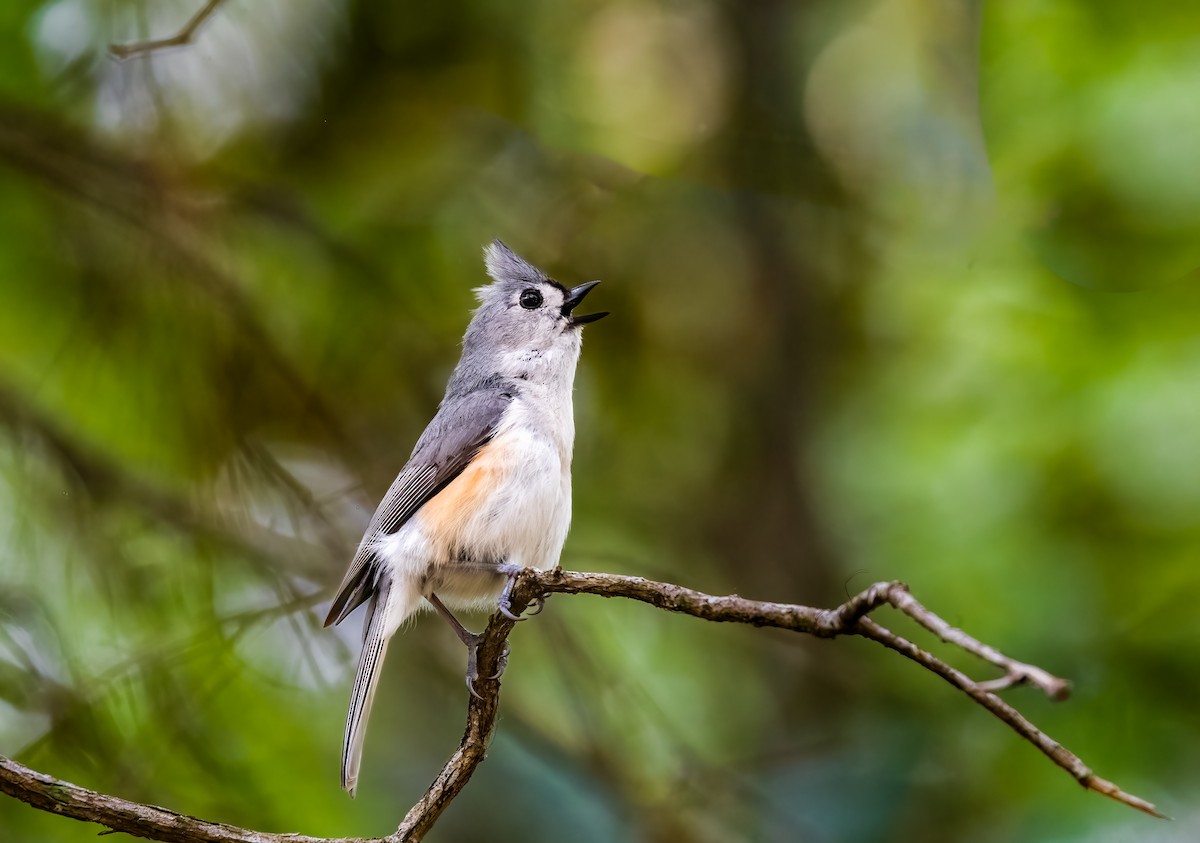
(902, 290)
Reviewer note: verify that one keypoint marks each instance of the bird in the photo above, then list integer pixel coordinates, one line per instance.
(487, 489)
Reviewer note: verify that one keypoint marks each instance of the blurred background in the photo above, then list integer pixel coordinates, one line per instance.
(901, 290)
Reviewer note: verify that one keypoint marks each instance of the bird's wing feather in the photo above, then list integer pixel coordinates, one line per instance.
(462, 426)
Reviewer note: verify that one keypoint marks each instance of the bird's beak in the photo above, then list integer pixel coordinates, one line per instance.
(574, 296)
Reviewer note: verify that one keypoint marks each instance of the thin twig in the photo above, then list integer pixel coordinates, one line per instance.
(179, 39)
(49, 794)
(1015, 673)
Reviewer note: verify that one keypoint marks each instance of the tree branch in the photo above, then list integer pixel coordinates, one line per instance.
(179, 39)
(49, 794)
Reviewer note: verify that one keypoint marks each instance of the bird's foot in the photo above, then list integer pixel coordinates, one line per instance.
(473, 662)
(504, 604)
(471, 640)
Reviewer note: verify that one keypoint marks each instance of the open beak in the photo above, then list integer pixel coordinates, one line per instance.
(574, 296)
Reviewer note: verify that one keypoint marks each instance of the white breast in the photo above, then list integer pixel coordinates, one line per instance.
(512, 504)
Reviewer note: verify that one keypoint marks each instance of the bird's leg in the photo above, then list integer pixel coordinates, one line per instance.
(504, 604)
(471, 640)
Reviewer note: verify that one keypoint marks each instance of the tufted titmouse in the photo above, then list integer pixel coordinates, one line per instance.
(487, 489)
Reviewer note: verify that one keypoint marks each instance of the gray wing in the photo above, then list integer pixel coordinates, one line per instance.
(462, 426)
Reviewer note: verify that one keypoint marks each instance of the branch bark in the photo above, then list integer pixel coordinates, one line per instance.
(851, 618)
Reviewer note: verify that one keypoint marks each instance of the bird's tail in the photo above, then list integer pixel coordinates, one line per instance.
(380, 624)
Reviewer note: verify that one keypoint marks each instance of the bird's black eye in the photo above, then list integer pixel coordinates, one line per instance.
(531, 299)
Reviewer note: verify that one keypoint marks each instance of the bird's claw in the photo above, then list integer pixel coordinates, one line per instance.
(502, 662)
(503, 608)
(504, 604)
(473, 665)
